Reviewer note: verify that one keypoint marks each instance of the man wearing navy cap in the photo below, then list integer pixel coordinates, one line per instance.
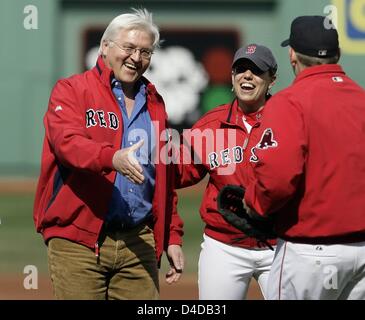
(312, 177)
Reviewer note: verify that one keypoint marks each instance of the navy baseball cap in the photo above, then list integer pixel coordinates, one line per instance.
(260, 55)
(313, 36)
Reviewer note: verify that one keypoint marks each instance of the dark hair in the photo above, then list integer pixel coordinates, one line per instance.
(272, 72)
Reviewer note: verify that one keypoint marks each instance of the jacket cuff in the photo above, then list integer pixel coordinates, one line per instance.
(106, 158)
(175, 238)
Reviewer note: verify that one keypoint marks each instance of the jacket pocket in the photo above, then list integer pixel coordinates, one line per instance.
(64, 208)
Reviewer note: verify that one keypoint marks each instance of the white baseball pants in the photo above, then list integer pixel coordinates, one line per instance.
(317, 272)
(225, 271)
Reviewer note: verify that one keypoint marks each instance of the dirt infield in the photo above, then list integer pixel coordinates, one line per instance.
(11, 288)
(18, 185)
(29, 185)
(187, 289)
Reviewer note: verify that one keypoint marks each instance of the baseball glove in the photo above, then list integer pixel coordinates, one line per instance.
(230, 206)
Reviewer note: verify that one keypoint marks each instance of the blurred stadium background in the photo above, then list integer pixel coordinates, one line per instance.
(43, 40)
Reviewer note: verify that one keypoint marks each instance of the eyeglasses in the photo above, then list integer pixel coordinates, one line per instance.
(145, 53)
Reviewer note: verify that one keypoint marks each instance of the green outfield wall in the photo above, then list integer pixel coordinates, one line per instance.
(42, 40)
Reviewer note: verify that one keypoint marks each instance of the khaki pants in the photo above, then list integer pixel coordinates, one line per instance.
(125, 269)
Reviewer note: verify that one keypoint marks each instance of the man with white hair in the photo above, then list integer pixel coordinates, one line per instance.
(105, 202)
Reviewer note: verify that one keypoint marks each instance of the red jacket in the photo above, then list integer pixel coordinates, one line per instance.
(83, 130)
(311, 159)
(222, 154)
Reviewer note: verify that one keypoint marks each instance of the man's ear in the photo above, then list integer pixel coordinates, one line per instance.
(292, 57)
(105, 48)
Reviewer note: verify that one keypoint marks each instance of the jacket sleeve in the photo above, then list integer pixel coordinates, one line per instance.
(189, 168)
(281, 153)
(66, 132)
(177, 224)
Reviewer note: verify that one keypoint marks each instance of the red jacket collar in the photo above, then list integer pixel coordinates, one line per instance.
(232, 113)
(236, 114)
(324, 68)
(103, 71)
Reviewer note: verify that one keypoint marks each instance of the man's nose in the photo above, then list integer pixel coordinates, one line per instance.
(136, 55)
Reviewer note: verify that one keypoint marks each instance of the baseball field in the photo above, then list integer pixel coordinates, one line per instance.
(23, 259)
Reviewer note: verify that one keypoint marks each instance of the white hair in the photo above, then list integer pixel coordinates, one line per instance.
(140, 19)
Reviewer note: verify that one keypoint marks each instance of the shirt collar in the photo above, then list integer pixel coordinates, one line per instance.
(139, 84)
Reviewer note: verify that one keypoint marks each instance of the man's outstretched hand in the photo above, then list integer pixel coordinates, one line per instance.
(126, 164)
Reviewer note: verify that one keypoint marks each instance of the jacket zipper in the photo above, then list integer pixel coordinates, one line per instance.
(96, 247)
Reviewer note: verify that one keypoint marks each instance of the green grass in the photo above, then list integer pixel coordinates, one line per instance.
(188, 208)
(20, 245)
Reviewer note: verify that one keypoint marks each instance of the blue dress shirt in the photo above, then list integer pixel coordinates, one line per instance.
(132, 203)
